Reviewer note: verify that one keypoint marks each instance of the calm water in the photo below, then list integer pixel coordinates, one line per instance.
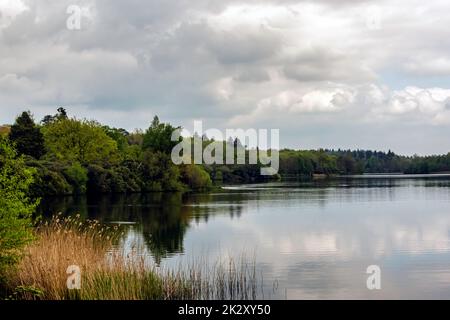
(311, 239)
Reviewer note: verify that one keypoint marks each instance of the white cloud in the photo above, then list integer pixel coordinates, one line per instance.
(9, 10)
(320, 100)
(262, 63)
(430, 105)
(424, 66)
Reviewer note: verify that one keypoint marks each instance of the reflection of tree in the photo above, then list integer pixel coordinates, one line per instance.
(164, 224)
(163, 218)
(67, 205)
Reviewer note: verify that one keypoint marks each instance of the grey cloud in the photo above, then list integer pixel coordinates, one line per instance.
(253, 75)
(319, 64)
(237, 46)
(200, 59)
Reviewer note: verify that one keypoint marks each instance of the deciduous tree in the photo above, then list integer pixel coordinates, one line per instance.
(27, 136)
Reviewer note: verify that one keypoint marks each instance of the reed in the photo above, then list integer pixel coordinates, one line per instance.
(109, 274)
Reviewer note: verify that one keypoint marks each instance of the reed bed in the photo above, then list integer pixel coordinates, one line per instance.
(108, 274)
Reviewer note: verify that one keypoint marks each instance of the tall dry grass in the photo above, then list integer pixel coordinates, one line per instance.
(112, 275)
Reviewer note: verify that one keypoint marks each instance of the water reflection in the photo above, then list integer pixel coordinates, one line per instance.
(314, 238)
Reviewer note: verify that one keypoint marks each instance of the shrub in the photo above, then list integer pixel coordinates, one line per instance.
(196, 177)
(112, 180)
(159, 173)
(16, 208)
(49, 179)
(77, 176)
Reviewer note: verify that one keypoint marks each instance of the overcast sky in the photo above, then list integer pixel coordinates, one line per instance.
(361, 74)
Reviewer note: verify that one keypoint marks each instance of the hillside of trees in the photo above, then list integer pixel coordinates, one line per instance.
(73, 156)
(345, 162)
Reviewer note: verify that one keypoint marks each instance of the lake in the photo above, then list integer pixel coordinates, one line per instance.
(310, 240)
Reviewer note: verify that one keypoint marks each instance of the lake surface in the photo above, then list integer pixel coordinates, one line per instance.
(311, 240)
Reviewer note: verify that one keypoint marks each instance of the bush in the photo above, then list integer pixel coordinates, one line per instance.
(196, 177)
(16, 208)
(112, 180)
(132, 181)
(98, 180)
(77, 176)
(159, 173)
(49, 179)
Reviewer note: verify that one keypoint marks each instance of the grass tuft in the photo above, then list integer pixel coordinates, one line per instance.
(111, 275)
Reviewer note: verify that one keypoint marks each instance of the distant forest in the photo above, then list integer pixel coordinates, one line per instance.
(72, 156)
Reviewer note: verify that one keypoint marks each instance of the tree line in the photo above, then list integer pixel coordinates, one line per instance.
(347, 162)
(77, 156)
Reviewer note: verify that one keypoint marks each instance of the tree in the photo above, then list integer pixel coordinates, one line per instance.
(119, 135)
(60, 115)
(16, 208)
(77, 177)
(80, 141)
(346, 164)
(158, 137)
(159, 173)
(27, 136)
(196, 177)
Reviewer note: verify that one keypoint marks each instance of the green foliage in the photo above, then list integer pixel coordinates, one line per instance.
(119, 136)
(158, 137)
(119, 179)
(103, 180)
(430, 164)
(136, 138)
(132, 153)
(159, 173)
(80, 141)
(357, 162)
(307, 163)
(27, 137)
(49, 178)
(26, 292)
(77, 176)
(195, 177)
(367, 161)
(84, 156)
(16, 207)
(60, 115)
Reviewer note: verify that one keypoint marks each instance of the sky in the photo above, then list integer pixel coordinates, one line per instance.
(330, 74)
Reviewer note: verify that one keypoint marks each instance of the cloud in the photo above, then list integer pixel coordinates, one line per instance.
(319, 100)
(260, 63)
(428, 66)
(431, 105)
(325, 64)
(9, 10)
